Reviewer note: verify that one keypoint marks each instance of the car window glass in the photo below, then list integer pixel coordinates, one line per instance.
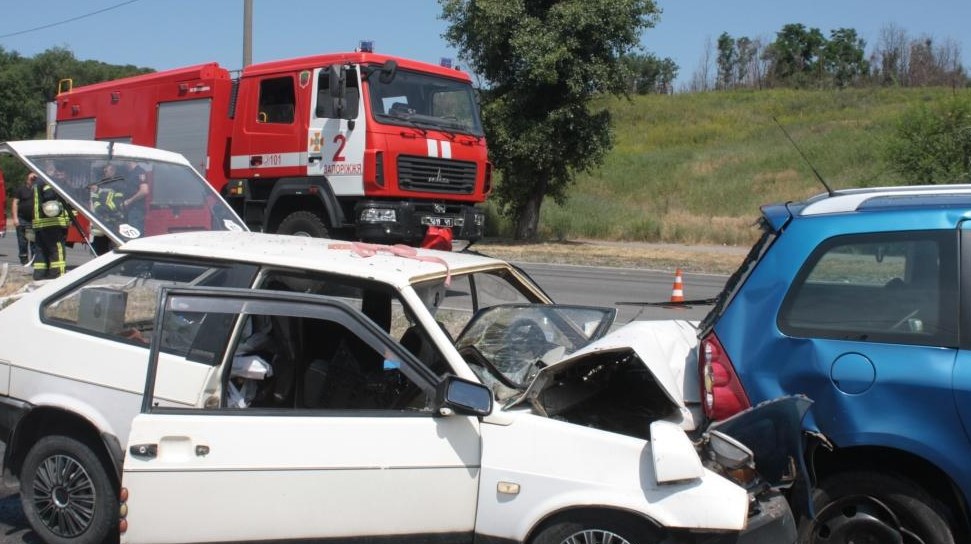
(300, 357)
(466, 294)
(121, 302)
(277, 100)
(894, 287)
(377, 302)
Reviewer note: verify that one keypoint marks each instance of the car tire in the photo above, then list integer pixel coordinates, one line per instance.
(874, 507)
(66, 493)
(594, 529)
(303, 223)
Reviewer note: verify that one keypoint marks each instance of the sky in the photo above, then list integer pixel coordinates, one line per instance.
(163, 34)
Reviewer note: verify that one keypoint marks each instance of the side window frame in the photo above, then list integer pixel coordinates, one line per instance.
(277, 102)
(285, 304)
(945, 332)
(115, 303)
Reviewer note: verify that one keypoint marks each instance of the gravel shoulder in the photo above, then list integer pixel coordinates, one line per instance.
(640, 255)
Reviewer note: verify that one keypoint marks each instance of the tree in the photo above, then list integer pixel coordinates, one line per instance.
(844, 58)
(650, 74)
(892, 55)
(747, 67)
(543, 61)
(795, 54)
(932, 144)
(17, 120)
(701, 78)
(727, 62)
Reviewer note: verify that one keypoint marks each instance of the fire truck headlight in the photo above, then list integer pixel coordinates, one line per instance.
(378, 215)
(479, 219)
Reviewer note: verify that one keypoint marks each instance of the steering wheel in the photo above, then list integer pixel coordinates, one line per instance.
(524, 331)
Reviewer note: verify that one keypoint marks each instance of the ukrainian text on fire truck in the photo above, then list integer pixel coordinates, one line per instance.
(338, 169)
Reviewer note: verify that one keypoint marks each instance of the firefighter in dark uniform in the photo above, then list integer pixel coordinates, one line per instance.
(50, 223)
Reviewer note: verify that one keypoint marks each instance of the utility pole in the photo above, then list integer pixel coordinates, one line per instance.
(247, 32)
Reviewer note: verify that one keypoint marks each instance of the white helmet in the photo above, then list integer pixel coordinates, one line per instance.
(52, 208)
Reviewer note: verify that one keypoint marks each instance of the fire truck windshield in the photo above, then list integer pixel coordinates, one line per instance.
(425, 101)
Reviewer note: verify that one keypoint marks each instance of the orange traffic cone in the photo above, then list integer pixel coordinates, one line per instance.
(677, 292)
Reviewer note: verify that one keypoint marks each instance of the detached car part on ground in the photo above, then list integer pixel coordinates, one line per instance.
(318, 384)
(860, 299)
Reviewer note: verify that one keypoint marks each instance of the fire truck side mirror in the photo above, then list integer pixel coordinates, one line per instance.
(338, 87)
(338, 81)
(388, 71)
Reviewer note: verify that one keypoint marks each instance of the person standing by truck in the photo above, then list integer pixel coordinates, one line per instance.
(135, 190)
(50, 221)
(22, 210)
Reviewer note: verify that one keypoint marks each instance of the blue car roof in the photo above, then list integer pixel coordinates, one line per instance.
(870, 199)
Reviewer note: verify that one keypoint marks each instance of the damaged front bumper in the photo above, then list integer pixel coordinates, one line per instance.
(770, 521)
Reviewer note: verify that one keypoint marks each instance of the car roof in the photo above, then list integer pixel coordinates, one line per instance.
(395, 265)
(902, 197)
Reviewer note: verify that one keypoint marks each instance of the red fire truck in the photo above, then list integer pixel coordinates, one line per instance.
(349, 145)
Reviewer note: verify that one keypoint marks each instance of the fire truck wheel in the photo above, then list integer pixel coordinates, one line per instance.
(66, 494)
(303, 223)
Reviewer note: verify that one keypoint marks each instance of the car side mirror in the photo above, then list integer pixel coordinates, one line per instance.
(464, 397)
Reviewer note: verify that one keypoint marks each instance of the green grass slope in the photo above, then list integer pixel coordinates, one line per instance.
(694, 168)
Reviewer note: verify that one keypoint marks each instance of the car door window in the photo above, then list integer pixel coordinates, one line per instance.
(887, 287)
(378, 302)
(121, 302)
(287, 351)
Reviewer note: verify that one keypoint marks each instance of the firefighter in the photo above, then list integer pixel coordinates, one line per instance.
(50, 223)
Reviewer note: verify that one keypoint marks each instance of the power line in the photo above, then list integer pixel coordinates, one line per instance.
(72, 19)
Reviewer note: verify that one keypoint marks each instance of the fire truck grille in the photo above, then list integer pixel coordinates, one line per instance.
(435, 175)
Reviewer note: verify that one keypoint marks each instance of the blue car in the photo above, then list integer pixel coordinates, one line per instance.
(856, 298)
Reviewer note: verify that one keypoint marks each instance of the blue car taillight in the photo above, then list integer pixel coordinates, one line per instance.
(722, 393)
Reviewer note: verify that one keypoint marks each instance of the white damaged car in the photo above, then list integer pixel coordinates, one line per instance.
(236, 386)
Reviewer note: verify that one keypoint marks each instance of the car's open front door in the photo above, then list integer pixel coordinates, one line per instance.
(330, 432)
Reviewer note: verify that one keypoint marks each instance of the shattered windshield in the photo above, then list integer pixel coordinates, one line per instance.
(426, 102)
(129, 197)
(506, 345)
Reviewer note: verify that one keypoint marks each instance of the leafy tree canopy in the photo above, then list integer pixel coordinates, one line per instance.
(542, 62)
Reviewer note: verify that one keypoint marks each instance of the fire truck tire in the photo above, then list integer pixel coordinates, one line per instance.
(66, 493)
(303, 223)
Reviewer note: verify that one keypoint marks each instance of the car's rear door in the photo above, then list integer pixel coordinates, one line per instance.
(871, 336)
(325, 444)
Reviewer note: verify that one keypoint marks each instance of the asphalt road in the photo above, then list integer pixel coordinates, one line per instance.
(585, 285)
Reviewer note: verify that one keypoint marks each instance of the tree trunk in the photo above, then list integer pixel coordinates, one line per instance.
(527, 223)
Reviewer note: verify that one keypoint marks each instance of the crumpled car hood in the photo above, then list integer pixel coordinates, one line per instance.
(666, 349)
